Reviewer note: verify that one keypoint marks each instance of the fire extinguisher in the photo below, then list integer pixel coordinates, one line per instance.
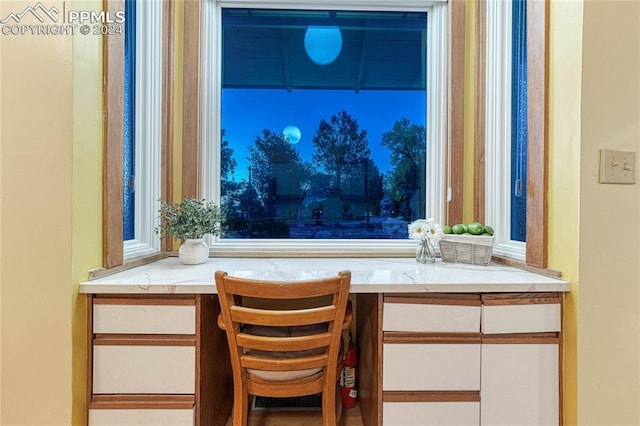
(348, 390)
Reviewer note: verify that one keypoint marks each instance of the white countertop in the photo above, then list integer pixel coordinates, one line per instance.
(369, 275)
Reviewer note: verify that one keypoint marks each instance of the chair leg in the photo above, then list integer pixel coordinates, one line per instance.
(329, 412)
(240, 408)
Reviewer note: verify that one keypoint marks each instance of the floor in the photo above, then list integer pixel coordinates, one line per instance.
(265, 417)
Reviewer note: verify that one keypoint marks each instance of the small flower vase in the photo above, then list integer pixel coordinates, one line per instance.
(193, 251)
(425, 253)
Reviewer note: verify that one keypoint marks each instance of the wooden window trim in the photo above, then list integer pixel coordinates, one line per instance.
(454, 205)
(537, 137)
(113, 131)
(480, 110)
(168, 77)
(537, 119)
(191, 140)
(113, 134)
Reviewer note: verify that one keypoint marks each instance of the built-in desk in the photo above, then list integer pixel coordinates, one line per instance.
(157, 356)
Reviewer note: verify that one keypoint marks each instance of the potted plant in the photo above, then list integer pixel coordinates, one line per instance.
(190, 220)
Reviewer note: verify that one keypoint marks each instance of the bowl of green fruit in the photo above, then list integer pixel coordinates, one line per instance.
(467, 243)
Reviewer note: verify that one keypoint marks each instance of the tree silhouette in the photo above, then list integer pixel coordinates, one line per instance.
(275, 168)
(406, 143)
(339, 146)
(228, 164)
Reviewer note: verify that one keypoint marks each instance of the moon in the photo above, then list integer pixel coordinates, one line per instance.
(292, 134)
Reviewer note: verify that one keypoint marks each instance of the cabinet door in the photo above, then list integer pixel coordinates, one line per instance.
(431, 414)
(520, 384)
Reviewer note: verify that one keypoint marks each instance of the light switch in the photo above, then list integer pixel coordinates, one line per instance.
(617, 166)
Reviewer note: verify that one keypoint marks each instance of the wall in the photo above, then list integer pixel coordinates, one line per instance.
(36, 174)
(565, 68)
(86, 192)
(608, 364)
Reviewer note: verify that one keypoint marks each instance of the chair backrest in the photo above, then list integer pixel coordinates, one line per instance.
(285, 351)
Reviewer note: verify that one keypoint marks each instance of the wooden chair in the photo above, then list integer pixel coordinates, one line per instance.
(285, 351)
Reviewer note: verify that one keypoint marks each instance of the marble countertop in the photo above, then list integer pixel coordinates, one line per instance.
(369, 275)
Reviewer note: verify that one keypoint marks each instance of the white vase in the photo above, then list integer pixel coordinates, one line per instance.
(193, 251)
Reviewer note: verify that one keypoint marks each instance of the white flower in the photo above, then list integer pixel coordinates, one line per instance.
(423, 229)
(417, 229)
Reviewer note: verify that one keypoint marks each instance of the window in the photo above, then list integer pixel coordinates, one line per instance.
(129, 122)
(506, 125)
(324, 146)
(142, 109)
(138, 126)
(512, 102)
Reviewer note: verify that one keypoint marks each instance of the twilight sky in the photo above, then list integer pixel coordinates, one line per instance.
(245, 112)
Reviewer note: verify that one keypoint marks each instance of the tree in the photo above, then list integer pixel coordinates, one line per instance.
(227, 162)
(229, 189)
(406, 143)
(275, 167)
(339, 145)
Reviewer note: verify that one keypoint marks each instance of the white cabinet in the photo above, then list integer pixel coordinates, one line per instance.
(144, 316)
(431, 366)
(431, 314)
(461, 359)
(152, 362)
(143, 361)
(431, 360)
(430, 413)
(520, 384)
(141, 417)
(521, 359)
(140, 369)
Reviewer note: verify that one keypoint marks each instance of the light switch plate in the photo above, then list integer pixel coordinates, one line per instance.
(617, 166)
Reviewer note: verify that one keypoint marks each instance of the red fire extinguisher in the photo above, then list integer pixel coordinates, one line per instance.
(348, 390)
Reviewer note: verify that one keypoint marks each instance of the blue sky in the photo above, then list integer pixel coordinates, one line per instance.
(246, 112)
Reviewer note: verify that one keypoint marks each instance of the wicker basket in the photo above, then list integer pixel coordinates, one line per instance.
(473, 249)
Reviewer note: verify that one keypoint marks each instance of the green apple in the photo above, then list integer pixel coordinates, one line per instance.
(488, 230)
(458, 228)
(475, 228)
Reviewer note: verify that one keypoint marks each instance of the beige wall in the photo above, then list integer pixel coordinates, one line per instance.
(565, 62)
(36, 174)
(608, 362)
(86, 191)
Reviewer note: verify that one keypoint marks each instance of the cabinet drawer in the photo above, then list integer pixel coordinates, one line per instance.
(431, 413)
(405, 314)
(144, 316)
(408, 366)
(535, 318)
(124, 369)
(141, 417)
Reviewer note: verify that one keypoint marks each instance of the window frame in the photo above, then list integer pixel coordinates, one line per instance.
(492, 188)
(158, 130)
(148, 113)
(207, 158)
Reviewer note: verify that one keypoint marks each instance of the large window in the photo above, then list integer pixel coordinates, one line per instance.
(330, 124)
